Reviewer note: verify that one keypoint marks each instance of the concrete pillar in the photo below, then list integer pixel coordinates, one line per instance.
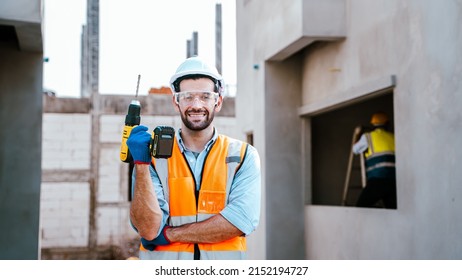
(284, 188)
(20, 153)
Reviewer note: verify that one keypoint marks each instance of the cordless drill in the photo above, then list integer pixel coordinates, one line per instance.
(162, 138)
(132, 119)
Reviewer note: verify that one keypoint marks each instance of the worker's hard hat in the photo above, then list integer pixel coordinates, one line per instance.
(379, 118)
(196, 66)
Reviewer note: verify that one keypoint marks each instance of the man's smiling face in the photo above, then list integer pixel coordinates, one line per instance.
(197, 103)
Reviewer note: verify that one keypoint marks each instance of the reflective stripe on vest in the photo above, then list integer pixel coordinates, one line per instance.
(179, 190)
(380, 156)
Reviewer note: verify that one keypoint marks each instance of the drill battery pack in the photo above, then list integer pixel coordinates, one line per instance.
(162, 141)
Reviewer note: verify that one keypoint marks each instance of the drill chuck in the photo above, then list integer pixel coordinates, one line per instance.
(134, 111)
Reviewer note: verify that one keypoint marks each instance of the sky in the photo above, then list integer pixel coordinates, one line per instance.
(137, 37)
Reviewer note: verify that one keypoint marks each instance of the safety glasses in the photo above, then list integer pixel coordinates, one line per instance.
(188, 97)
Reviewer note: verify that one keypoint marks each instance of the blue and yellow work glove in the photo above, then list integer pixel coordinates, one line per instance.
(158, 241)
(138, 145)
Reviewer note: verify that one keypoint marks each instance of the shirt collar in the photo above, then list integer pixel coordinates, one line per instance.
(207, 146)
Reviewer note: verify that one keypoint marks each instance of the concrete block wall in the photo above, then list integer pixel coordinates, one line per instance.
(64, 208)
(66, 141)
(110, 170)
(64, 214)
(113, 225)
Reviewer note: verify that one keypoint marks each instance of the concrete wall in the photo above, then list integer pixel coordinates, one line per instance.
(409, 48)
(26, 18)
(282, 136)
(269, 85)
(21, 51)
(20, 151)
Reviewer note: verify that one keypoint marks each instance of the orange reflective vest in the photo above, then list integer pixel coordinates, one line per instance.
(179, 186)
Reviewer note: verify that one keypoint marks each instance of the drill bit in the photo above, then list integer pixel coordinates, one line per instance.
(137, 86)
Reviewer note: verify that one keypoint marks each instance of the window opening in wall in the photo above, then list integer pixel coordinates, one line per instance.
(332, 138)
(130, 171)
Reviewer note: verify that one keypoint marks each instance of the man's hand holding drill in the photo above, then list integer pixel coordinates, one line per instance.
(138, 144)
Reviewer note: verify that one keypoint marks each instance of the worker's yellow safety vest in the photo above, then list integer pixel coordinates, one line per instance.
(380, 155)
(179, 187)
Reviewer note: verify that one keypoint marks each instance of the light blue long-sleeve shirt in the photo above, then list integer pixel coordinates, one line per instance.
(244, 199)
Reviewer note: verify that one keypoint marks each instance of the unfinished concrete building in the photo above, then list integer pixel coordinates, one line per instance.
(309, 71)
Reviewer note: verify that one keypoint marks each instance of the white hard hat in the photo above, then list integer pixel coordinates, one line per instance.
(197, 66)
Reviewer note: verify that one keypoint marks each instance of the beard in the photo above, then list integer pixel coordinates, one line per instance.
(197, 125)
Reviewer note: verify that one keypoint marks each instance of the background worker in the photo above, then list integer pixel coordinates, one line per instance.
(202, 201)
(378, 147)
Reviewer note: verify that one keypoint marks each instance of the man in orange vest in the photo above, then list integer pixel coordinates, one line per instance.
(378, 147)
(204, 200)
